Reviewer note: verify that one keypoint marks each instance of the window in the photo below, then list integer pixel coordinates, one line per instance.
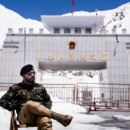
(127, 47)
(67, 30)
(56, 30)
(11, 42)
(88, 30)
(10, 46)
(77, 30)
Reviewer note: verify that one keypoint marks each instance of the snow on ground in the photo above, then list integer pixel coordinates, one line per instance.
(121, 118)
(80, 121)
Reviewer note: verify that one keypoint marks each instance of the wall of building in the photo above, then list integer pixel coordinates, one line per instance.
(116, 69)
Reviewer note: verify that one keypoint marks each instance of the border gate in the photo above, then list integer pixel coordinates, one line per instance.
(103, 95)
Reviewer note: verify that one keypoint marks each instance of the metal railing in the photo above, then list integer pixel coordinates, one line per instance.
(103, 95)
(88, 94)
(64, 92)
(5, 86)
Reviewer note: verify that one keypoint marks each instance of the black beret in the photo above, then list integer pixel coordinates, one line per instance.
(26, 69)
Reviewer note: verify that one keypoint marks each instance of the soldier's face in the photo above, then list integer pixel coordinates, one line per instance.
(29, 77)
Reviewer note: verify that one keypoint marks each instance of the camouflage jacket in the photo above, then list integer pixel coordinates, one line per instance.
(21, 93)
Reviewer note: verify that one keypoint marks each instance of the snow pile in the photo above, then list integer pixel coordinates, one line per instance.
(65, 77)
(70, 73)
(5, 119)
(65, 107)
(121, 118)
(75, 111)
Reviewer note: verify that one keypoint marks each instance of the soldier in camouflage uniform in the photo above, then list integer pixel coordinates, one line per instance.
(31, 102)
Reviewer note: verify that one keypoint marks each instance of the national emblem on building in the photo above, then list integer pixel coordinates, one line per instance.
(72, 45)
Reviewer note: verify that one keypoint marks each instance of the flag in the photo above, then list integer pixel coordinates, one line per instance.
(72, 6)
(73, 2)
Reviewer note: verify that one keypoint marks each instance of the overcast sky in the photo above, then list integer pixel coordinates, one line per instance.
(35, 8)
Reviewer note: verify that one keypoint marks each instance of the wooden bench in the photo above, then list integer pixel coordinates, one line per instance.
(14, 125)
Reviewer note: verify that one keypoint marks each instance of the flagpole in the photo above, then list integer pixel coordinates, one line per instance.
(24, 45)
(72, 6)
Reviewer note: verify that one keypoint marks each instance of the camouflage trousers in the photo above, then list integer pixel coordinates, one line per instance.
(33, 113)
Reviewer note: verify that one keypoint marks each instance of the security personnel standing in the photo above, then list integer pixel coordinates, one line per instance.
(32, 102)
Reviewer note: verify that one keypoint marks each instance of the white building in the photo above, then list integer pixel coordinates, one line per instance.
(72, 44)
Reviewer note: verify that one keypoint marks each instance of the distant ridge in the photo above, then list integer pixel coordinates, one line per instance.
(118, 18)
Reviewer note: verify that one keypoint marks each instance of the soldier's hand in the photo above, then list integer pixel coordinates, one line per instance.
(16, 106)
(22, 105)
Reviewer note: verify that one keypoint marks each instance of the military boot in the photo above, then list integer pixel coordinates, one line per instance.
(63, 119)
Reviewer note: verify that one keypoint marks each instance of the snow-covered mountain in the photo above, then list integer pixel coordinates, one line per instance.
(10, 19)
(116, 18)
